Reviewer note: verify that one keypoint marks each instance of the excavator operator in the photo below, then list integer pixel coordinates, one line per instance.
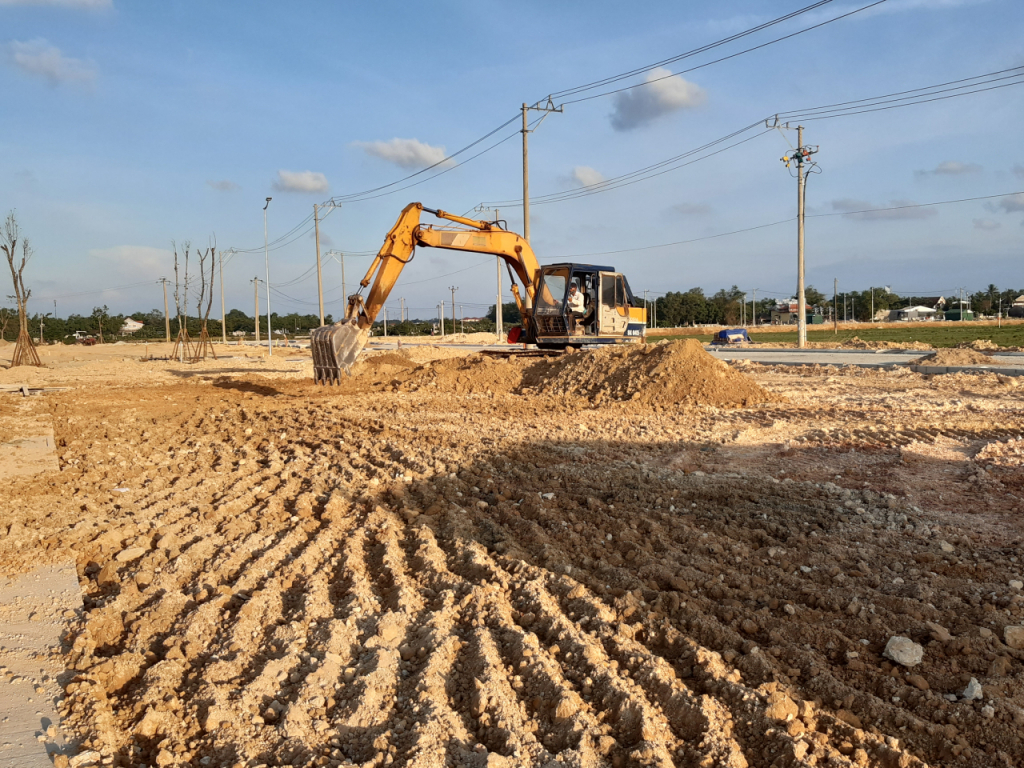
(574, 303)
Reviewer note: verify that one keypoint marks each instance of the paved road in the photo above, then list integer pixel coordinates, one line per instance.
(1012, 363)
(883, 358)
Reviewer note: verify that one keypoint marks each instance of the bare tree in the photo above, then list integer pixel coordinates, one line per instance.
(204, 345)
(5, 319)
(182, 343)
(24, 349)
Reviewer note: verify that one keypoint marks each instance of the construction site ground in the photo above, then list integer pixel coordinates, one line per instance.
(645, 558)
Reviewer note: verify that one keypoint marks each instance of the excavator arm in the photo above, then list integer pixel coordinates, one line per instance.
(336, 347)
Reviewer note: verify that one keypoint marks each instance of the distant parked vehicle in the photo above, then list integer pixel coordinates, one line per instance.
(731, 336)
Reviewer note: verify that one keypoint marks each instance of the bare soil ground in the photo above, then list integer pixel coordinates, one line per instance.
(489, 563)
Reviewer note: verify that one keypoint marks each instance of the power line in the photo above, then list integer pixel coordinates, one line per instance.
(673, 163)
(913, 205)
(786, 221)
(672, 59)
(730, 56)
(927, 94)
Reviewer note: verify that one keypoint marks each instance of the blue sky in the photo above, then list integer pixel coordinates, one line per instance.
(131, 124)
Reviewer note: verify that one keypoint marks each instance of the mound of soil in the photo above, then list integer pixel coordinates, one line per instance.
(389, 358)
(675, 373)
(957, 357)
(665, 374)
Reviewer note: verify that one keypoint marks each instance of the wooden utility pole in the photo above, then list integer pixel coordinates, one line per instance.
(223, 315)
(256, 299)
(319, 276)
(167, 316)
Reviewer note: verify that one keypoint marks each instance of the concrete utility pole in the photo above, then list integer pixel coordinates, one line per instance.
(344, 291)
(319, 276)
(800, 156)
(223, 316)
(801, 299)
(401, 305)
(167, 316)
(385, 322)
(453, 289)
(266, 254)
(441, 314)
(753, 309)
(462, 319)
(547, 108)
(835, 306)
(256, 299)
(497, 307)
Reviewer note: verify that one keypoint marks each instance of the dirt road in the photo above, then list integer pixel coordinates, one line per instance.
(489, 563)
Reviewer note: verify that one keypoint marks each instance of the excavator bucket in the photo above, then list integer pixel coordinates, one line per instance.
(336, 347)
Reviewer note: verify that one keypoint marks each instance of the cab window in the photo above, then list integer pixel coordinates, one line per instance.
(552, 289)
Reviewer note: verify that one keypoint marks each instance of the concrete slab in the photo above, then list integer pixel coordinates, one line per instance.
(34, 611)
(1010, 364)
(29, 455)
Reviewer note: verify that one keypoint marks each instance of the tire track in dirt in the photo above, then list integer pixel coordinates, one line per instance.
(373, 633)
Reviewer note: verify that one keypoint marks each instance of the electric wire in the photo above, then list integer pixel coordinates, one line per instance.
(788, 220)
(726, 58)
(672, 59)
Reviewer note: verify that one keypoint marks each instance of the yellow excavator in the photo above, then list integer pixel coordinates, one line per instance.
(562, 305)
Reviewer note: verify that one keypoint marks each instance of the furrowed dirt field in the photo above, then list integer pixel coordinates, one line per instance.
(639, 558)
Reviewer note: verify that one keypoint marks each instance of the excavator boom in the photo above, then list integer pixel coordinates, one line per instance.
(336, 347)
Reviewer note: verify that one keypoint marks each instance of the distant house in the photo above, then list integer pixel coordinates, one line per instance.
(1019, 301)
(920, 312)
(130, 326)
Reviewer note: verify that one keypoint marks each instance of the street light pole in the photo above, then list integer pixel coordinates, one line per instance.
(266, 255)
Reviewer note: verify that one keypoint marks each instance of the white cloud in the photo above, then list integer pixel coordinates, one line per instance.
(951, 168)
(691, 209)
(84, 5)
(1011, 203)
(37, 57)
(134, 259)
(224, 185)
(406, 153)
(585, 176)
(301, 181)
(666, 93)
(861, 209)
(986, 224)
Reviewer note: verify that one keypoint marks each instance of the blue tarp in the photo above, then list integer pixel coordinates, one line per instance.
(731, 336)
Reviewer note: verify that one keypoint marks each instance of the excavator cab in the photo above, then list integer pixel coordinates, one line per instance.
(608, 313)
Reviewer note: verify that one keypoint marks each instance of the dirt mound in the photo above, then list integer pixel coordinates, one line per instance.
(675, 373)
(859, 343)
(389, 358)
(957, 357)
